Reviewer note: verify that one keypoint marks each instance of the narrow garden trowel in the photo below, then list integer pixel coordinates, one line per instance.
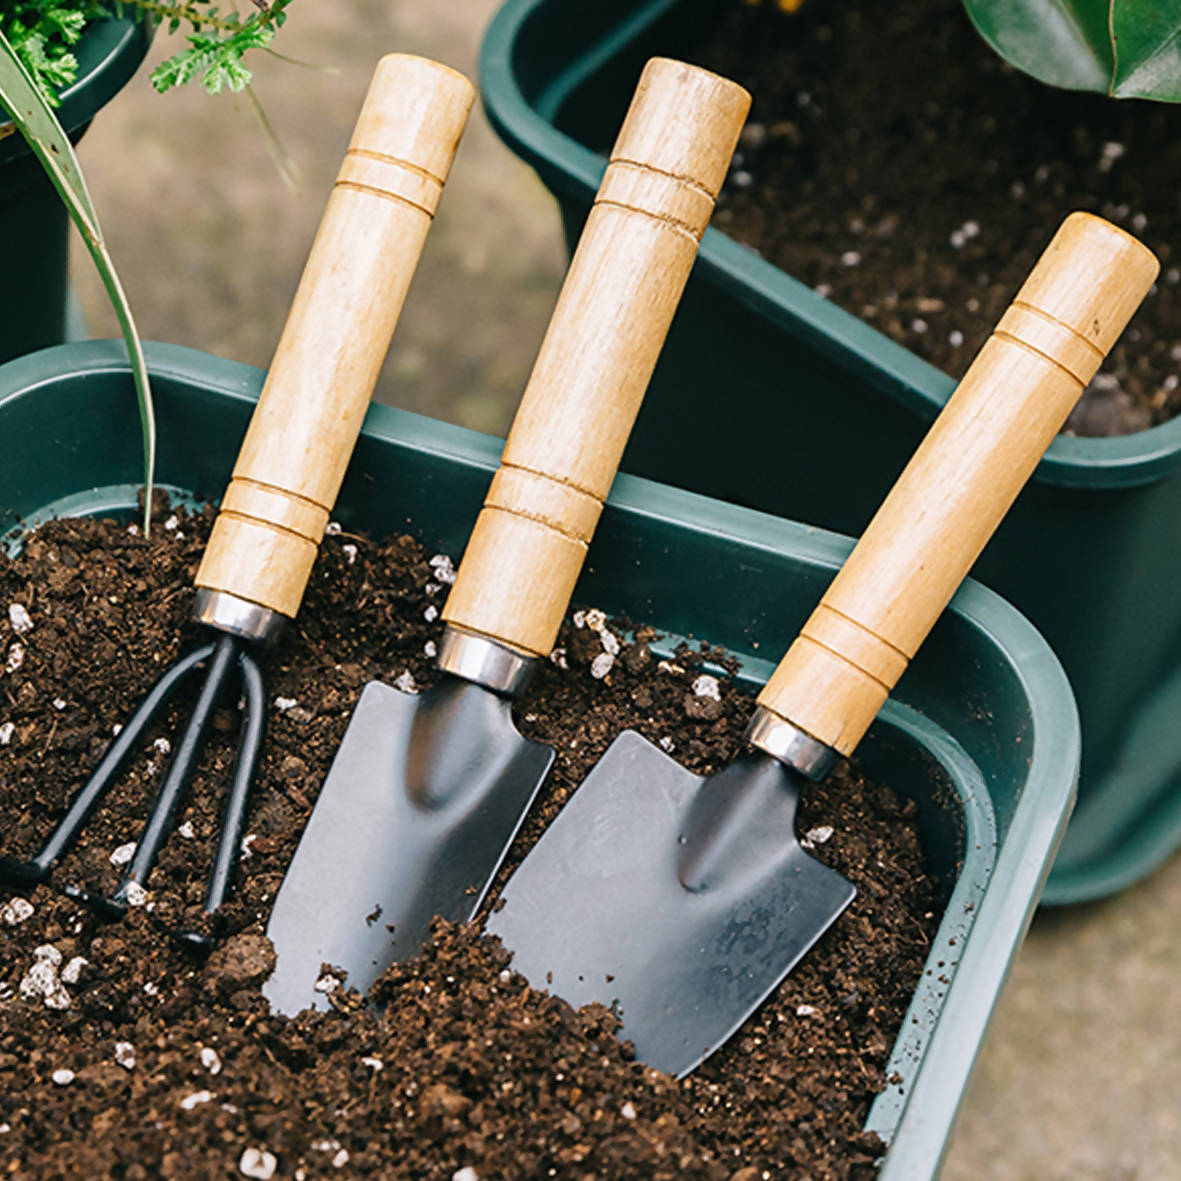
(427, 791)
(682, 901)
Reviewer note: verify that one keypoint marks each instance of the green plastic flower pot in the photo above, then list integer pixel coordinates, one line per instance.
(34, 287)
(769, 396)
(982, 732)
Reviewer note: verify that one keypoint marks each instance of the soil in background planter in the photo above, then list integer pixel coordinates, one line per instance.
(895, 163)
(120, 1056)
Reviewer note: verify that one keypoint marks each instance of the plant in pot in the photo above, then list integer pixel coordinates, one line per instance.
(41, 73)
(891, 223)
(79, 54)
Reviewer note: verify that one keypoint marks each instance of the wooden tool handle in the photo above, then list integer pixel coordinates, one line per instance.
(297, 447)
(612, 315)
(961, 481)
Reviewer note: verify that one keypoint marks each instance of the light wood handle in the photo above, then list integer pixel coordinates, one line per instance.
(961, 481)
(302, 434)
(612, 315)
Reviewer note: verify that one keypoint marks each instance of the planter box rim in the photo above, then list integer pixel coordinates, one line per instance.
(951, 1019)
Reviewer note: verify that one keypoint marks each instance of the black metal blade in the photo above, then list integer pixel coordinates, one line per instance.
(681, 901)
(420, 805)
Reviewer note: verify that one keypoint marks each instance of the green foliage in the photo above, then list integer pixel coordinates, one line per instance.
(43, 33)
(30, 110)
(217, 43)
(1123, 48)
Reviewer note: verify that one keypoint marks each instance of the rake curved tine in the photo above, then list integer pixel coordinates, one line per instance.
(245, 760)
(34, 870)
(168, 798)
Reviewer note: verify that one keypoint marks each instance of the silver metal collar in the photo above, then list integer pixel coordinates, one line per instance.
(239, 617)
(789, 744)
(484, 661)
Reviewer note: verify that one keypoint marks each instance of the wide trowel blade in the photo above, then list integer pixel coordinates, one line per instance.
(680, 901)
(420, 805)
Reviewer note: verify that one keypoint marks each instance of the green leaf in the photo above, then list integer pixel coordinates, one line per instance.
(31, 113)
(1124, 48)
(1148, 49)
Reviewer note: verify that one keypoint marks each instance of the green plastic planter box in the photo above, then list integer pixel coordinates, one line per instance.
(34, 263)
(982, 732)
(768, 395)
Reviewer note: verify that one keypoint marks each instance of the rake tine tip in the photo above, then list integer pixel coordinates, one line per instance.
(101, 905)
(198, 942)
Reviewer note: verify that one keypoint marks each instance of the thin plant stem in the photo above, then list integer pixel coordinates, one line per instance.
(39, 125)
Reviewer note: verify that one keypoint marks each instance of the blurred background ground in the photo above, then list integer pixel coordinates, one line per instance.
(1080, 1077)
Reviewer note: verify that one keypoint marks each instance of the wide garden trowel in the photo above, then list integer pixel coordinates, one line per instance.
(427, 791)
(682, 901)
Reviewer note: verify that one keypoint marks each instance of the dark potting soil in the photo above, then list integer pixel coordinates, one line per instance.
(121, 1056)
(896, 164)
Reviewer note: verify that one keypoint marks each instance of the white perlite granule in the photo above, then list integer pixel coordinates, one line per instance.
(42, 980)
(125, 1055)
(7, 730)
(195, 1100)
(628, 1111)
(601, 665)
(595, 619)
(819, 834)
(16, 657)
(18, 616)
(63, 1077)
(123, 854)
(405, 682)
(73, 969)
(707, 686)
(258, 1163)
(210, 1060)
(467, 1173)
(444, 569)
(15, 911)
(283, 704)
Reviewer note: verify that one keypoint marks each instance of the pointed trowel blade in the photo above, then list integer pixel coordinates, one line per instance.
(422, 800)
(682, 902)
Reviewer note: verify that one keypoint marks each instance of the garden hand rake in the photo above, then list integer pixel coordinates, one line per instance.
(289, 471)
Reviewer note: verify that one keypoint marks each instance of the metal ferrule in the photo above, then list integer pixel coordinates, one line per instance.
(789, 744)
(484, 661)
(238, 617)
